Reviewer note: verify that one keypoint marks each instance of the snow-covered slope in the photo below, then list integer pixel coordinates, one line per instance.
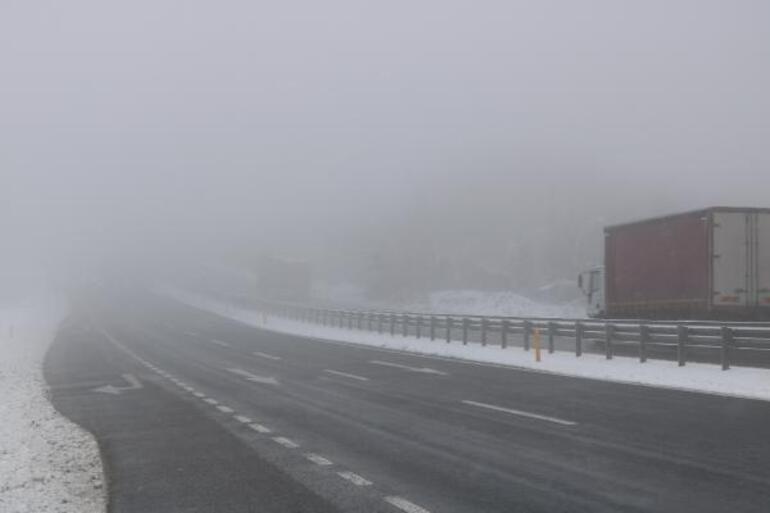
(47, 464)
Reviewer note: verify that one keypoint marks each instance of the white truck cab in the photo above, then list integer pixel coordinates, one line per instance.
(591, 283)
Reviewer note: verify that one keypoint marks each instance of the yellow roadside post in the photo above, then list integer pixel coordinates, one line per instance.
(537, 344)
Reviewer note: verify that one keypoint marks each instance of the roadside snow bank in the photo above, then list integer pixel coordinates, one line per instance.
(475, 302)
(47, 464)
(743, 382)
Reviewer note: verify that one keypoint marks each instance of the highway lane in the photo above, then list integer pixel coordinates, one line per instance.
(400, 430)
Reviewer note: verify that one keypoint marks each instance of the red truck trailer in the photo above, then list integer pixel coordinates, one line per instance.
(707, 264)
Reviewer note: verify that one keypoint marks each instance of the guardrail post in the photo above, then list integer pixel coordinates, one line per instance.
(644, 338)
(432, 327)
(681, 344)
(392, 325)
(527, 329)
(379, 323)
(350, 320)
(465, 331)
(405, 325)
(369, 321)
(418, 326)
(449, 322)
(551, 335)
(504, 334)
(483, 331)
(609, 331)
(578, 338)
(360, 321)
(728, 338)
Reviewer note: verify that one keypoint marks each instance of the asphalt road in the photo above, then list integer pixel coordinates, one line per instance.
(205, 414)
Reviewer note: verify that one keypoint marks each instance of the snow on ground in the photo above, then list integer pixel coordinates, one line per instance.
(461, 301)
(475, 302)
(706, 378)
(47, 463)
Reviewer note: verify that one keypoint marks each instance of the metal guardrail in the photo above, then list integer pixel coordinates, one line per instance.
(682, 341)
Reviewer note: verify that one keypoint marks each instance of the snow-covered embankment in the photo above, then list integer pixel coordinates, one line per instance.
(47, 463)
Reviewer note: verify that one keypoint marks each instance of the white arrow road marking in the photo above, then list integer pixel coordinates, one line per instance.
(424, 370)
(346, 375)
(354, 478)
(110, 389)
(520, 413)
(405, 505)
(254, 378)
(267, 356)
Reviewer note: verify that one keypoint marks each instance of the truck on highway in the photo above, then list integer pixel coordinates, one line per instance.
(706, 264)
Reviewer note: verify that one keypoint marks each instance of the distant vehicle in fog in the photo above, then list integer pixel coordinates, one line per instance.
(707, 264)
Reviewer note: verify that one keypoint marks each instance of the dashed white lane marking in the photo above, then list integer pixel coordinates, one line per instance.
(354, 478)
(244, 420)
(220, 343)
(282, 440)
(405, 505)
(423, 370)
(198, 394)
(211, 401)
(346, 375)
(259, 428)
(520, 413)
(254, 378)
(318, 460)
(266, 356)
(225, 409)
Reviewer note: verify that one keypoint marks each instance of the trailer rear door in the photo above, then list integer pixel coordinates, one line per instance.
(730, 259)
(763, 259)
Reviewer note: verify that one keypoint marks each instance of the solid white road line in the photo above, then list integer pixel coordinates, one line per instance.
(259, 428)
(346, 375)
(520, 413)
(282, 440)
(318, 460)
(254, 378)
(405, 505)
(354, 478)
(424, 370)
(241, 418)
(225, 409)
(220, 343)
(266, 356)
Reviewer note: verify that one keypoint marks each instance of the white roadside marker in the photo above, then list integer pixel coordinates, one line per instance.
(318, 460)
(266, 356)
(405, 505)
(259, 428)
(289, 444)
(520, 413)
(346, 375)
(241, 418)
(225, 409)
(423, 370)
(354, 478)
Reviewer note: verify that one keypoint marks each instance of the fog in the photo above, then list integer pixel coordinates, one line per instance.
(401, 146)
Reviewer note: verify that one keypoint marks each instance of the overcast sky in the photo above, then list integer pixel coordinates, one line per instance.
(168, 123)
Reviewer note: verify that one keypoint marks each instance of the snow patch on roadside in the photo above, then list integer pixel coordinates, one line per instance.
(743, 382)
(47, 463)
